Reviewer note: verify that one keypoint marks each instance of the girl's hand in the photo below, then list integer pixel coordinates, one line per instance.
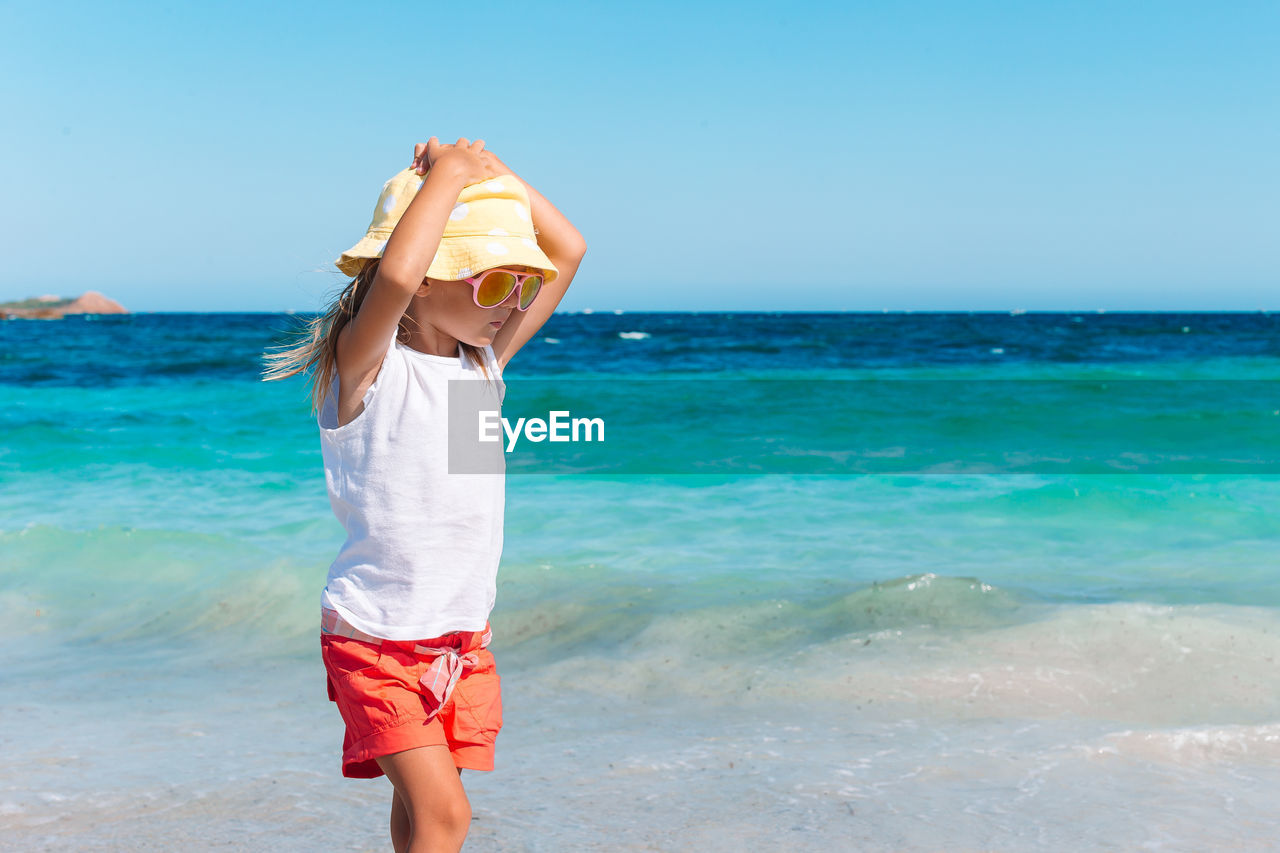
(422, 160)
(498, 165)
(475, 165)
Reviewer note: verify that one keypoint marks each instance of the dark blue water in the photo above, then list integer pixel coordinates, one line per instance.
(998, 570)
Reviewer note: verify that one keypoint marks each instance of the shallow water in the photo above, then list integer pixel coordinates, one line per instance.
(1012, 660)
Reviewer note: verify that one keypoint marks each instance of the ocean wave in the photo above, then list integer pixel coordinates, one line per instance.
(1195, 745)
(1145, 664)
(134, 584)
(927, 644)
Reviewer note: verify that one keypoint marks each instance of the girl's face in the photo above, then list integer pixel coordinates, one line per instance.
(451, 309)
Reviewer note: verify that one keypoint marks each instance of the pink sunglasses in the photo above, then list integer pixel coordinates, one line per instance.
(493, 287)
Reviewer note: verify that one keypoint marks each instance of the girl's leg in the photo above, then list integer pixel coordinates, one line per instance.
(429, 788)
(400, 821)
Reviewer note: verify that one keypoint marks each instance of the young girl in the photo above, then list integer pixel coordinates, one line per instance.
(458, 270)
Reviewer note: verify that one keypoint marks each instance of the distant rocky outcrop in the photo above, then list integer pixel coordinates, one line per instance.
(56, 307)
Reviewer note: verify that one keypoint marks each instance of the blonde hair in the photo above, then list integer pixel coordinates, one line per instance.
(316, 343)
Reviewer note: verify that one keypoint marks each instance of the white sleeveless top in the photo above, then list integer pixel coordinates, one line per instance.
(422, 549)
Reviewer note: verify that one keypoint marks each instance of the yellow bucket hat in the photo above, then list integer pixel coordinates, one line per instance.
(490, 226)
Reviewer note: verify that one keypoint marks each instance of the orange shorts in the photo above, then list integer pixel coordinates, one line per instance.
(376, 687)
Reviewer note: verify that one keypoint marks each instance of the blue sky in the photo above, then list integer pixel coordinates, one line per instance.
(716, 156)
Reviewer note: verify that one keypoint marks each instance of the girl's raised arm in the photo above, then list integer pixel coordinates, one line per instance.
(564, 245)
(410, 249)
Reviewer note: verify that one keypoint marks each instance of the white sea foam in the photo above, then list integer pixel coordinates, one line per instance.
(1146, 665)
(1224, 744)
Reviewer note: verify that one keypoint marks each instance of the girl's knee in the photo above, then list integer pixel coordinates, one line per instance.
(442, 818)
(430, 790)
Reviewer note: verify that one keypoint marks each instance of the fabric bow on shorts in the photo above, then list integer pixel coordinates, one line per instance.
(396, 695)
(444, 671)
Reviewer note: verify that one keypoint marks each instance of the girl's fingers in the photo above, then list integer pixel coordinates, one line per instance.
(425, 154)
(421, 159)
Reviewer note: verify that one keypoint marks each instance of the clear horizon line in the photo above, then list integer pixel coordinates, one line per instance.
(1013, 311)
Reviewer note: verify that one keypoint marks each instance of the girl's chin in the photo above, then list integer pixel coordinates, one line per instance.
(483, 339)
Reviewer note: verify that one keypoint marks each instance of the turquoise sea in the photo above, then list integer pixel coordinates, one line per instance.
(842, 581)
